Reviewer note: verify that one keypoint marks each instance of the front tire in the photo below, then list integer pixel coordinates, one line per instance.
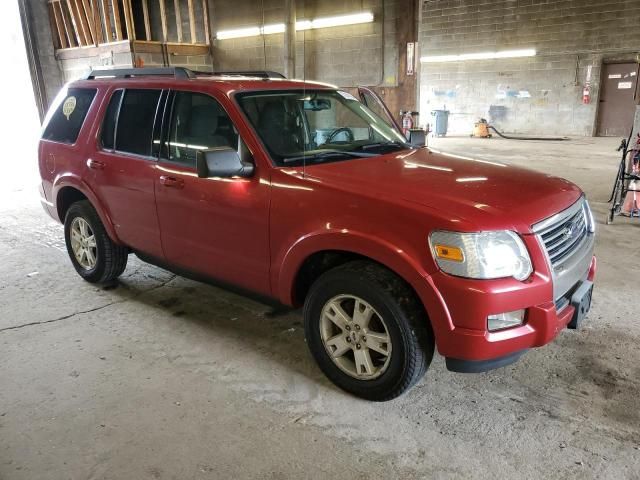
(367, 331)
(93, 254)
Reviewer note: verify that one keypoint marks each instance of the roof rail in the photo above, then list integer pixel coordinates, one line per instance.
(177, 72)
(249, 73)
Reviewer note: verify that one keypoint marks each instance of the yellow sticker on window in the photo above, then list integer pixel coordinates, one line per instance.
(69, 106)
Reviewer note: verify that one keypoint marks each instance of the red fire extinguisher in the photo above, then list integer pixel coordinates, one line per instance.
(586, 95)
(407, 123)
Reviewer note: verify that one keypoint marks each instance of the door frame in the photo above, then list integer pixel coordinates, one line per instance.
(612, 60)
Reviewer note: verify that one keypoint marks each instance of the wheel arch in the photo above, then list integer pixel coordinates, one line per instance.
(315, 254)
(70, 189)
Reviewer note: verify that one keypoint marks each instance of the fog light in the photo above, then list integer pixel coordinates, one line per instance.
(505, 320)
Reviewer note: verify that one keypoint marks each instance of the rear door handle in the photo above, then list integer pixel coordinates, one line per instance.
(171, 182)
(95, 164)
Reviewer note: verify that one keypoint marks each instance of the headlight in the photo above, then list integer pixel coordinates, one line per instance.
(483, 255)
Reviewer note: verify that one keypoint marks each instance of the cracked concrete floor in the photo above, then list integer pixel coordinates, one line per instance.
(165, 378)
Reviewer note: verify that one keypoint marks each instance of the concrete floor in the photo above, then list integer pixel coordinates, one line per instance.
(165, 378)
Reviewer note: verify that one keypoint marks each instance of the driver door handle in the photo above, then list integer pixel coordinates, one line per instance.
(172, 182)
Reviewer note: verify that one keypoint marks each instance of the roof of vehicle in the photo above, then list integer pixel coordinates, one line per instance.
(173, 77)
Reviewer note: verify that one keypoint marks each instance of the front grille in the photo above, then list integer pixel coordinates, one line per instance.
(563, 238)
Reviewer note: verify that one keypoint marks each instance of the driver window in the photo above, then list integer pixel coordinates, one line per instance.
(198, 122)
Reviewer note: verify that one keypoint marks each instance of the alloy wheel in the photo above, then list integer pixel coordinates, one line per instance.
(355, 337)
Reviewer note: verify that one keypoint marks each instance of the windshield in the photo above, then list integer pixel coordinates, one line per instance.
(317, 126)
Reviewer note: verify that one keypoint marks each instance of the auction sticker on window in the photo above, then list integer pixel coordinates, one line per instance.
(625, 85)
(69, 106)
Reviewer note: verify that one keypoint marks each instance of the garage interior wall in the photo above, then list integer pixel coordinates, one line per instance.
(38, 36)
(347, 56)
(370, 54)
(541, 94)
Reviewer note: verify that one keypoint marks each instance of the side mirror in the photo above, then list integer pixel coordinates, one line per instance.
(222, 162)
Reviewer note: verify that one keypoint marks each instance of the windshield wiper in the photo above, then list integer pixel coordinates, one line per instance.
(391, 143)
(328, 154)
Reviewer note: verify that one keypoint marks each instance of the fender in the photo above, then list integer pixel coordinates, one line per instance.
(69, 179)
(377, 249)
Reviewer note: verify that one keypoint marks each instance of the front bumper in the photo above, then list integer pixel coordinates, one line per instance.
(469, 347)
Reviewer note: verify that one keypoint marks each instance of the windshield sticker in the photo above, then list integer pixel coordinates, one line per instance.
(347, 95)
(69, 106)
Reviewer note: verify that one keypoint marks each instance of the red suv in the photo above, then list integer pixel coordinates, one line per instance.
(299, 192)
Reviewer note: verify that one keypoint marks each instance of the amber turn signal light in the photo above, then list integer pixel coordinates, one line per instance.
(448, 252)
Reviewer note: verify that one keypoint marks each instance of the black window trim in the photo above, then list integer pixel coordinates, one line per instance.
(104, 119)
(84, 121)
(115, 150)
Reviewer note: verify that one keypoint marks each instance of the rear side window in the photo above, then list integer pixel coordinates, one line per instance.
(109, 124)
(68, 113)
(135, 122)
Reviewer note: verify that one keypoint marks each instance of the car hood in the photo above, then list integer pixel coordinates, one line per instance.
(474, 194)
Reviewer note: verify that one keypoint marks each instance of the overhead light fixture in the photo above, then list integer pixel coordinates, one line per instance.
(342, 20)
(352, 19)
(530, 52)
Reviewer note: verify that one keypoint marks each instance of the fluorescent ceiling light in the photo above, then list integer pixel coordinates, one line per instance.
(530, 52)
(352, 19)
(250, 31)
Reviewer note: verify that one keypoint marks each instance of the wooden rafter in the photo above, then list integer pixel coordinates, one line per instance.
(205, 16)
(116, 19)
(60, 30)
(82, 21)
(96, 22)
(128, 19)
(106, 21)
(176, 7)
(163, 19)
(192, 22)
(147, 23)
(68, 28)
(91, 23)
(74, 23)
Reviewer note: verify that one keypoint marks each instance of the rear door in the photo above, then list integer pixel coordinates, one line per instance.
(123, 169)
(218, 227)
(618, 99)
(375, 103)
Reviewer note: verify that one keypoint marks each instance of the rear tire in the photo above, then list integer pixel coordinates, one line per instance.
(93, 254)
(362, 289)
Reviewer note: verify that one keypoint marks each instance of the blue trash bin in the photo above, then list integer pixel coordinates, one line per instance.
(442, 122)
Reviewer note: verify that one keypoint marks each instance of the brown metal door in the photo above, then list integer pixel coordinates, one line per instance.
(617, 99)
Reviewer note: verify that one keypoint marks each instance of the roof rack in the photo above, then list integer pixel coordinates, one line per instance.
(177, 72)
(248, 73)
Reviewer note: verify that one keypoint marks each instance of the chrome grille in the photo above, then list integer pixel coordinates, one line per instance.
(562, 239)
(567, 239)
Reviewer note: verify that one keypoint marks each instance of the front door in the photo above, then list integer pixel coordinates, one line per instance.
(618, 99)
(217, 227)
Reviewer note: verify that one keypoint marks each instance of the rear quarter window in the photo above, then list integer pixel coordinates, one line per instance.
(67, 114)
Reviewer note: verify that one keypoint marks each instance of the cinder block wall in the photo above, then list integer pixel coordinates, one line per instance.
(347, 56)
(541, 94)
(39, 19)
